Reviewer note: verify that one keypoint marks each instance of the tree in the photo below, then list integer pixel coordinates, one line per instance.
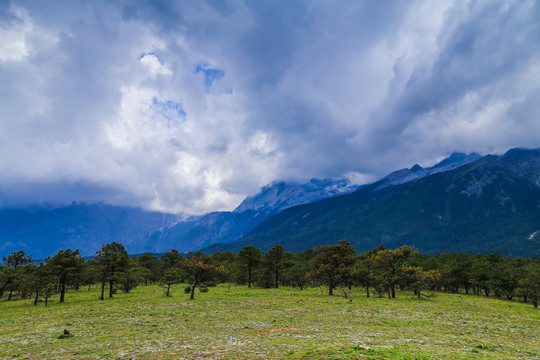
(150, 265)
(296, 269)
(198, 271)
(251, 257)
(111, 260)
(170, 278)
(275, 255)
(363, 269)
(67, 265)
(481, 274)
(130, 277)
(170, 259)
(40, 281)
(529, 286)
(90, 273)
(387, 264)
(332, 264)
(418, 279)
(12, 273)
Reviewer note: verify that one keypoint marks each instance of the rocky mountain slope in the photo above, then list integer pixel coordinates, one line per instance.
(489, 205)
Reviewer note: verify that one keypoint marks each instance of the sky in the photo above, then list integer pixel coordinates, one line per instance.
(190, 106)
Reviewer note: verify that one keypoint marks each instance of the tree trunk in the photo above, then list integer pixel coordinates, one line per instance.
(193, 291)
(367, 290)
(330, 288)
(277, 278)
(36, 298)
(111, 288)
(393, 293)
(62, 292)
(249, 276)
(102, 290)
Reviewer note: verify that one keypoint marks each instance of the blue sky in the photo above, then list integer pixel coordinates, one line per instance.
(192, 105)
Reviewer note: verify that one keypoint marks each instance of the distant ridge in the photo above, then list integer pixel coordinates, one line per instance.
(491, 204)
(44, 229)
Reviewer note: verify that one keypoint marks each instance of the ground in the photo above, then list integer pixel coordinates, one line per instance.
(234, 322)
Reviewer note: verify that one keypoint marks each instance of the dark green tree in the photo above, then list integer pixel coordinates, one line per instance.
(111, 260)
(150, 266)
(41, 280)
(130, 277)
(250, 256)
(332, 264)
(276, 257)
(90, 273)
(296, 269)
(67, 265)
(12, 273)
(529, 285)
(170, 259)
(170, 278)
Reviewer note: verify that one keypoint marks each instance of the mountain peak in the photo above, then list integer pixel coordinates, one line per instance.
(458, 159)
(280, 195)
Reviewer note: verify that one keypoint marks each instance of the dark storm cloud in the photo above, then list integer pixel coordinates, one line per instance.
(190, 106)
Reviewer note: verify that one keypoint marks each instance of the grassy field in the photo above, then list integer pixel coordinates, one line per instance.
(234, 322)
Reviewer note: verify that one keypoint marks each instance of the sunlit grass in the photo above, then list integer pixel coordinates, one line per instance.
(230, 322)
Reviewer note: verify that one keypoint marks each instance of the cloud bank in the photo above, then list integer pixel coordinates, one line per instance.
(191, 106)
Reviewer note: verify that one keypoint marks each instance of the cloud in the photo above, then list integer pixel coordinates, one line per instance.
(191, 106)
(156, 67)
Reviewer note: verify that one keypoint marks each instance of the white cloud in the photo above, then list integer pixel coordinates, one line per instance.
(152, 62)
(13, 46)
(227, 97)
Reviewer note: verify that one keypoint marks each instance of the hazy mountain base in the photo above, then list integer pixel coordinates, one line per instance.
(234, 322)
(42, 230)
(490, 205)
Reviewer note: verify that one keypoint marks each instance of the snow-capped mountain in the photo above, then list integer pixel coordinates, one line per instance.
(226, 226)
(43, 231)
(416, 172)
(488, 205)
(278, 196)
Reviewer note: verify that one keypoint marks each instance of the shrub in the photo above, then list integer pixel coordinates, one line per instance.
(187, 290)
(203, 288)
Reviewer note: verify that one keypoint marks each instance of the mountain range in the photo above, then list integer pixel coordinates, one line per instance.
(42, 230)
(491, 204)
(296, 215)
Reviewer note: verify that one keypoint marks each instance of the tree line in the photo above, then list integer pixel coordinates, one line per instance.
(380, 271)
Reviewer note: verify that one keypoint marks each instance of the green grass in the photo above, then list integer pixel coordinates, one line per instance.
(234, 322)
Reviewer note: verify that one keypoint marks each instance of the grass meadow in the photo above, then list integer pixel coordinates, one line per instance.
(234, 322)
